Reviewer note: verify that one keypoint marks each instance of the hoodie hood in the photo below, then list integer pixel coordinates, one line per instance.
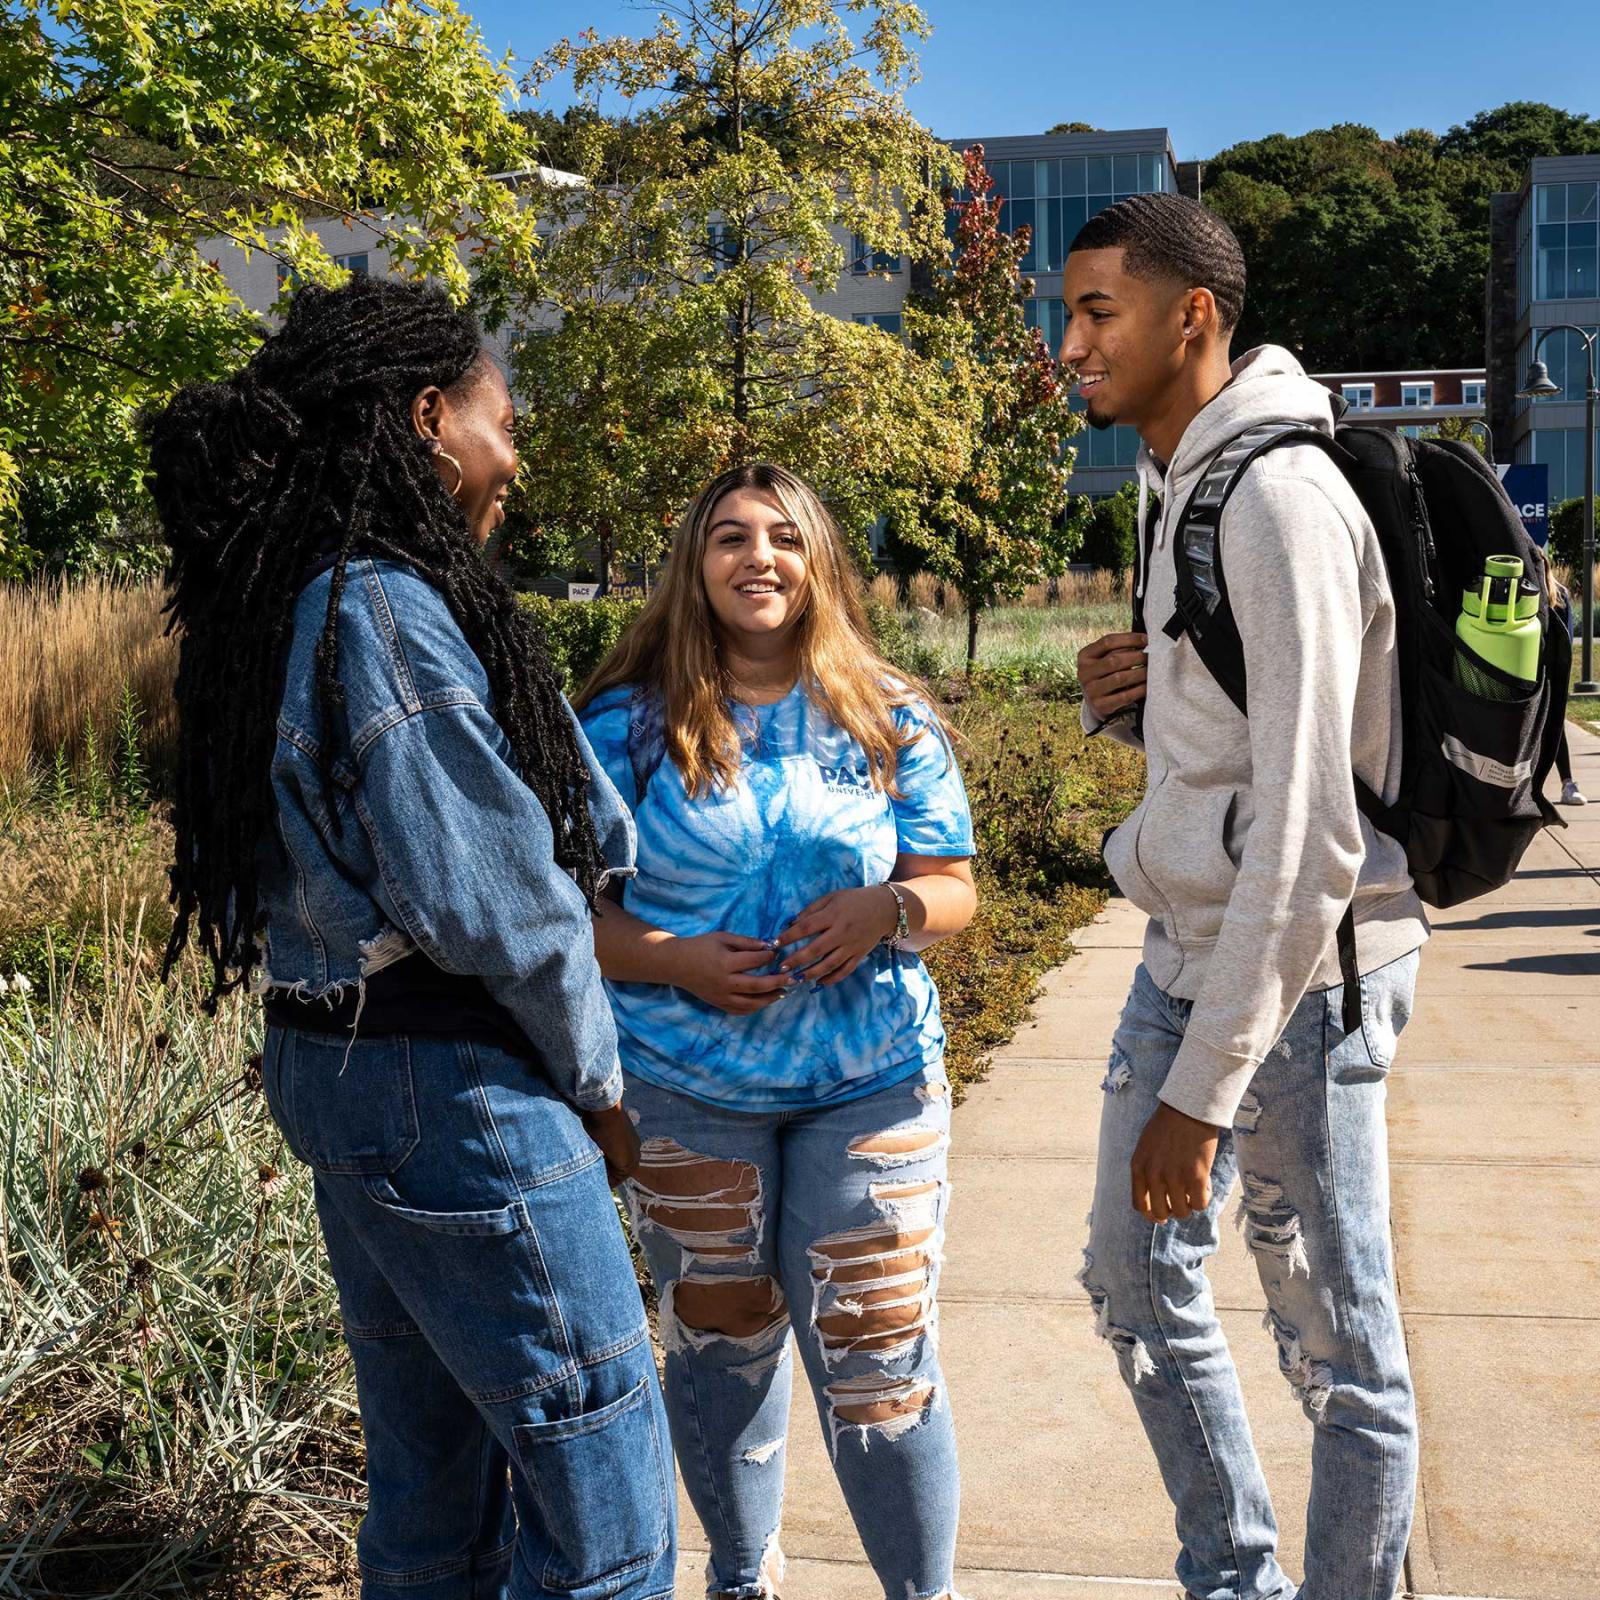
(1268, 385)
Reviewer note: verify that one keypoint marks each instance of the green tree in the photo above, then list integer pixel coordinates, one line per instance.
(1372, 252)
(557, 136)
(135, 130)
(1513, 134)
(1110, 529)
(1566, 537)
(688, 271)
(1465, 430)
(1001, 524)
(625, 420)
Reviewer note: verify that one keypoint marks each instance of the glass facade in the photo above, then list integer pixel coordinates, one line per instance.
(1561, 449)
(1049, 316)
(1116, 446)
(1563, 355)
(1055, 197)
(1566, 241)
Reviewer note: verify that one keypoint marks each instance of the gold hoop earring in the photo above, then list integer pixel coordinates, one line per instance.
(441, 454)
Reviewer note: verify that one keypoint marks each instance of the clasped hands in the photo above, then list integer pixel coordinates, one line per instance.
(836, 933)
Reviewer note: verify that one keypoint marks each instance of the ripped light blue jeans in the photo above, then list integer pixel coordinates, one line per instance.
(1309, 1146)
(830, 1221)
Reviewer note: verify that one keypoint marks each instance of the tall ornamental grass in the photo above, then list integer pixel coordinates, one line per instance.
(176, 1405)
(77, 658)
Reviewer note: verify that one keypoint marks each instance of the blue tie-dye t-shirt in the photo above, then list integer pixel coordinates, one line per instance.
(802, 821)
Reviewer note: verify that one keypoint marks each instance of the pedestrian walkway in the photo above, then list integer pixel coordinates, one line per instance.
(1494, 1116)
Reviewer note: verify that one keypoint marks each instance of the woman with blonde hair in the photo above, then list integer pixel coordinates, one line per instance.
(803, 832)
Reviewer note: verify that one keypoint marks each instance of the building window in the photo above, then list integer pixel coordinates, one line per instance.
(1360, 395)
(1049, 316)
(863, 259)
(1416, 394)
(1561, 449)
(889, 321)
(1567, 241)
(721, 246)
(355, 264)
(1105, 447)
(1055, 197)
(1473, 391)
(1563, 356)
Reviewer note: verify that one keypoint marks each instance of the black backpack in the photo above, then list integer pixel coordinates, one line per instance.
(1474, 759)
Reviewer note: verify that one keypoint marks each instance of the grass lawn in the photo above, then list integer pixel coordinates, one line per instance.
(1037, 644)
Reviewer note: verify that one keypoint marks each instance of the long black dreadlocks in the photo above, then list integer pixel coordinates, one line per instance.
(309, 452)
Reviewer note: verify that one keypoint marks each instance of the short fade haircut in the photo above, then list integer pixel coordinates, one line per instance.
(1171, 236)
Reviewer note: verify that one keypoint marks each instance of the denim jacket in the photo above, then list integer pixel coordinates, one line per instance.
(440, 846)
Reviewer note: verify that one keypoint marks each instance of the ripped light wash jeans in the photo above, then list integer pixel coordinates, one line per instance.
(831, 1220)
(1309, 1144)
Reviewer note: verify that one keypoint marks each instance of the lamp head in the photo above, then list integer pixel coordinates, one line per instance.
(1537, 385)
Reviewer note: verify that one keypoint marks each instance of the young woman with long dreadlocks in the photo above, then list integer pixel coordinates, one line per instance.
(390, 826)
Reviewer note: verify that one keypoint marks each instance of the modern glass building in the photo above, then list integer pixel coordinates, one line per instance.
(1544, 269)
(1054, 183)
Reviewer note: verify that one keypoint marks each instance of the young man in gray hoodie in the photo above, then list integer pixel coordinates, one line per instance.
(1231, 1059)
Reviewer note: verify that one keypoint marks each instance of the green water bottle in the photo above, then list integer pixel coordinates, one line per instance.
(1499, 623)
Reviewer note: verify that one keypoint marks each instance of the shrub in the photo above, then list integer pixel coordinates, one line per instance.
(1110, 530)
(1566, 537)
(897, 637)
(579, 633)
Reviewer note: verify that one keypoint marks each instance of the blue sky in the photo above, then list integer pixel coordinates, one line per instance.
(1213, 74)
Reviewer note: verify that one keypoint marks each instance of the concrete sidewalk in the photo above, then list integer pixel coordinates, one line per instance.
(1494, 1116)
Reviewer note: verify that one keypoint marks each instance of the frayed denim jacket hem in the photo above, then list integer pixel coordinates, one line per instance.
(434, 842)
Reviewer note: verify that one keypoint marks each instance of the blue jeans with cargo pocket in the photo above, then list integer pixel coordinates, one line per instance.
(515, 1436)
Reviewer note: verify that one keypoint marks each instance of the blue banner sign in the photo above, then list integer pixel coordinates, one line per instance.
(1528, 487)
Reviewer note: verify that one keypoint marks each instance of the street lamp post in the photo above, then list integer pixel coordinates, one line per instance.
(1536, 386)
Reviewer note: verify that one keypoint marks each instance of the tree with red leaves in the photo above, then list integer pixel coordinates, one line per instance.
(1000, 525)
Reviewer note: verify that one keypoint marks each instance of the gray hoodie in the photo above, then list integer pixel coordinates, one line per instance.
(1248, 844)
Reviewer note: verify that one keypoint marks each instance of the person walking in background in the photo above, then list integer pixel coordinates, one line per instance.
(1561, 600)
(389, 825)
(1232, 1058)
(803, 834)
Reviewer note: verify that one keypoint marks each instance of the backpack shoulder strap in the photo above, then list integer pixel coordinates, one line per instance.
(1202, 609)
